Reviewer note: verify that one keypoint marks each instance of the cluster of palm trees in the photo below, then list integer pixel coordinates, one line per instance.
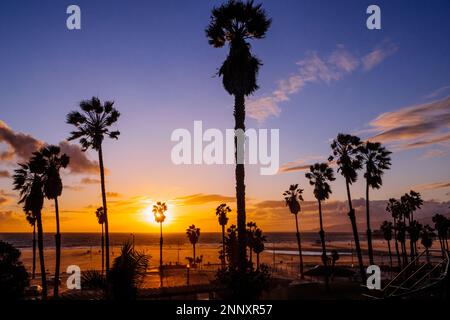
(350, 154)
(40, 178)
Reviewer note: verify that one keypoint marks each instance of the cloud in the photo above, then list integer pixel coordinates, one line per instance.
(200, 198)
(316, 69)
(438, 92)
(434, 153)
(21, 146)
(90, 181)
(378, 55)
(433, 186)
(73, 188)
(4, 174)
(7, 217)
(299, 165)
(415, 126)
(113, 194)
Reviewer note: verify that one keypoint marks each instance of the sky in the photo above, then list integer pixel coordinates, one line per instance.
(323, 73)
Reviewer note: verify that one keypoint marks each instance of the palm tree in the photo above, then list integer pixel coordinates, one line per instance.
(251, 228)
(319, 176)
(51, 160)
(100, 214)
(411, 202)
(387, 228)
(442, 224)
(235, 23)
(414, 229)
(92, 125)
(394, 207)
(346, 151)
(334, 258)
(401, 237)
(158, 210)
(376, 160)
(293, 197)
(258, 244)
(221, 213)
(193, 235)
(427, 236)
(28, 182)
(32, 221)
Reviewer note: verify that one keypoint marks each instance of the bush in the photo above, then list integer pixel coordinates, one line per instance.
(92, 279)
(13, 276)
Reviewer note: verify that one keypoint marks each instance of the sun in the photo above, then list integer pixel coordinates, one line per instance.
(150, 217)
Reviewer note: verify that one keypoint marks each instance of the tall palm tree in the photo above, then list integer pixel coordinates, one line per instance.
(92, 125)
(193, 235)
(51, 160)
(319, 176)
(427, 236)
(411, 202)
(293, 197)
(158, 210)
(258, 245)
(387, 228)
(376, 159)
(346, 152)
(394, 208)
(401, 237)
(221, 213)
(27, 180)
(234, 23)
(100, 214)
(32, 221)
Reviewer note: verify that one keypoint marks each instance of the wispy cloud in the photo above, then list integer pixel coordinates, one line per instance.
(438, 92)
(299, 165)
(90, 181)
(4, 174)
(433, 186)
(316, 69)
(434, 153)
(201, 198)
(414, 127)
(21, 146)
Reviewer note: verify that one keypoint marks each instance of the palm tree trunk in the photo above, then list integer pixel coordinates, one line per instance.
(257, 261)
(352, 217)
(193, 248)
(324, 249)
(239, 118)
(390, 254)
(369, 231)
(58, 250)
(102, 180)
(161, 255)
(41, 254)
(34, 250)
(103, 250)
(399, 261)
(299, 244)
(428, 254)
(223, 246)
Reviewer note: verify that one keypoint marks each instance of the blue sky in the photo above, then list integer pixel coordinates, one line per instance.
(153, 59)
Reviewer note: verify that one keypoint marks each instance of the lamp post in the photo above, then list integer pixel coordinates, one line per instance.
(188, 267)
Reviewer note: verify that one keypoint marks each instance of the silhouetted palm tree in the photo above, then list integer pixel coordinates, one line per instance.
(401, 237)
(51, 161)
(100, 214)
(347, 153)
(158, 210)
(293, 197)
(319, 176)
(442, 225)
(221, 213)
(251, 228)
(376, 160)
(258, 244)
(411, 202)
(32, 221)
(28, 182)
(414, 229)
(334, 258)
(193, 235)
(235, 23)
(387, 228)
(394, 207)
(427, 236)
(92, 125)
